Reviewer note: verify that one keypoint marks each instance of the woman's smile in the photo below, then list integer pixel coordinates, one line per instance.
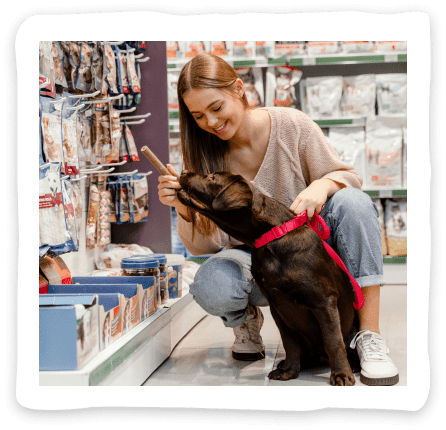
(221, 128)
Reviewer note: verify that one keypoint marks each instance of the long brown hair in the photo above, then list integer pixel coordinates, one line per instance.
(204, 152)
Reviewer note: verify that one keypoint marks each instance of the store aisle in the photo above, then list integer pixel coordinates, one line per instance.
(204, 356)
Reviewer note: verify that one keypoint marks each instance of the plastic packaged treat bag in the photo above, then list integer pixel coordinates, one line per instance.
(77, 199)
(132, 76)
(46, 69)
(103, 236)
(69, 212)
(124, 201)
(111, 188)
(121, 67)
(244, 49)
(58, 60)
(292, 48)
(130, 197)
(123, 152)
(84, 134)
(69, 140)
(140, 198)
(381, 224)
(53, 232)
(97, 68)
(84, 76)
(324, 97)
(110, 65)
(352, 47)
(93, 212)
(383, 153)
(349, 143)
(253, 83)
(74, 59)
(396, 227)
(50, 122)
(318, 48)
(359, 96)
(392, 94)
(281, 87)
(385, 46)
(67, 64)
(115, 137)
(96, 135)
(131, 145)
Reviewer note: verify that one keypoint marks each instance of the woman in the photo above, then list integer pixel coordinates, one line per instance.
(286, 156)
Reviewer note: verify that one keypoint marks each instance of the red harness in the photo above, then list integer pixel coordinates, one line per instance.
(316, 221)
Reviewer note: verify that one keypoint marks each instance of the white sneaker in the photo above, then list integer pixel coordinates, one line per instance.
(377, 368)
(248, 345)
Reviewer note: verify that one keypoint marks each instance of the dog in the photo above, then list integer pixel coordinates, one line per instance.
(310, 297)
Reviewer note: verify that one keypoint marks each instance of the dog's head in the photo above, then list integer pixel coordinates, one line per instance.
(227, 199)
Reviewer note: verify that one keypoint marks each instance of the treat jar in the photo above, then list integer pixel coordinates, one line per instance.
(143, 265)
(162, 260)
(175, 264)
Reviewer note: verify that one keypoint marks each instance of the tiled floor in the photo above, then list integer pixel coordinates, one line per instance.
(204, 356)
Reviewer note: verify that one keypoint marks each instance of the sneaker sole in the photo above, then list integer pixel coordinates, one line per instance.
(379, 381)
(247, 356)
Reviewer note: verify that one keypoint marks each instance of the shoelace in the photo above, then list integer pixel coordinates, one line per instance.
(372, 345)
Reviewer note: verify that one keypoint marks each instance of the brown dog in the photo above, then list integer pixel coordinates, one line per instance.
(310, 297)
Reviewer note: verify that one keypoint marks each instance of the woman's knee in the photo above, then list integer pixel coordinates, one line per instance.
(352, 203)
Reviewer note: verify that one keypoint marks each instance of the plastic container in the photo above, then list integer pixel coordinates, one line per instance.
(162, 260)
(143, 265)
(175, 263)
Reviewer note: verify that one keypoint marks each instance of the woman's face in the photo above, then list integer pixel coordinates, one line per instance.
(216, 111)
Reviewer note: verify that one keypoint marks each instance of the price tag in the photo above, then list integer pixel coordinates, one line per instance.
(391, 58)
(385, 194)
(310, 61)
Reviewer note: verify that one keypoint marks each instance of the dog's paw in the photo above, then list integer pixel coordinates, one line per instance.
(281, 374)
(342, 378)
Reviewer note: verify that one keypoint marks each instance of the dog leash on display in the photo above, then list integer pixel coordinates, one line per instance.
(316, 222)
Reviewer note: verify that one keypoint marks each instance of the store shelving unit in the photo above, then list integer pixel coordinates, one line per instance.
(134, 357)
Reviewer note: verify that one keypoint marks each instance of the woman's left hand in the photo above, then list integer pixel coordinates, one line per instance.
(313, 197)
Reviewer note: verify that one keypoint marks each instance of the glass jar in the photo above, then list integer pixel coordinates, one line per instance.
(164, 288)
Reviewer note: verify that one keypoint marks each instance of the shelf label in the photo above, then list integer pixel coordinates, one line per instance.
(310, 61)
(385, 194)
(391, 58)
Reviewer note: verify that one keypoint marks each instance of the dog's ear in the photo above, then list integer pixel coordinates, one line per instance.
(235, 196)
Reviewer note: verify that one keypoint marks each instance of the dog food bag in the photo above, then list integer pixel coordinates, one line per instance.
(58, 60)
(405, 157)
(84, 76)
(324, 97)
(351, 47)
(131, 145)
(290, 48)
(265, 48)
(381, 224)
(281, 87)
(359, 96)
(93, 211)
(253, 82)
(69, 140)
(69, 212)
(244, 49)
(110, 66)
(396, 226)
(384, 46)
(318, 48)
(140, 198)
(392, 94)
(349, 143)
(132, 76)
(53, 231)
(74, 58)
(46, 68)
(383, 153)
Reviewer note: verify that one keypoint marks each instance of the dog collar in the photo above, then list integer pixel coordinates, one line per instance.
(316, 223)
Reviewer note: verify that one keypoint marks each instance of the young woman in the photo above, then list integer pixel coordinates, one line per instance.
(286, 156)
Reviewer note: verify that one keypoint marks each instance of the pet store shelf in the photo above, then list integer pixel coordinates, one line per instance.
(341, 122)
(133, 358)
(386, 193)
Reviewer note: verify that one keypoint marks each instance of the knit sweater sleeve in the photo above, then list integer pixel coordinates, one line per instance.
(319, 159)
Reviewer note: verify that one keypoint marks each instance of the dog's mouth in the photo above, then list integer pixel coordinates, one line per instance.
(186, 198)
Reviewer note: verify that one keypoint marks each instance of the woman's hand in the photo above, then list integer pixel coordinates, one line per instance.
(314, 196)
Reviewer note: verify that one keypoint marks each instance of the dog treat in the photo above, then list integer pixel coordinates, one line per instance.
(131, 146)
(93, 210)
(115, 136)
(103, 222)
(392, 94)
(69, 212)
(359, 96)
(396, 227)
(110, 65)
(69, 141)
(58, 60)
(155, 161)
(77, 198)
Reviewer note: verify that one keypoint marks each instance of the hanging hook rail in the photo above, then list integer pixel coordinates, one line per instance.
(102, 171)
(124, 173)
(77, 96)
(114, 164)
(90, 170)
(126, 110)
(125, 118)
(143, 60)
(76, 107)
(117, 43)
(132, 122)
(62, 99)
(79, 179)
(44, 165)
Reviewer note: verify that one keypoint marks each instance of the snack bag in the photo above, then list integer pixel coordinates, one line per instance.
(123, 152)
(284, 48)
(140, 198)
(58, 61)
(115, 137)
(359, 96)
(392, 94)
(383, 153)
(111, 187)
(46, 69)
(121, 67)
(132, 76)
(105, 136)
(384, 46)
(264, 49)
(351, 47)
(84, 79)
(110, 72)
(131, 146)
(124, 216)
(93, 211)
(66, 63)
(349, 143)
(53, 232)
(77, 199)
(69, 212)
(84, 123)
(103, 236)
(97, 68)
(74, 59)
(381, 224)
(396, 226)
(324, 97)
(130, 196)
(245, 49)
(253, 82)
(137, 96)
(318, 48)
(281, 87)
(69, 140)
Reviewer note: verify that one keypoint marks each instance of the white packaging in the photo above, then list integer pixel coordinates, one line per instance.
(324, 97)
(384, 46)
(383, 154)
(349, 143)
(396, 227)
(290, 48)
(52, 137)
(359, 96)
(351, 47)
(317, 48)
(253, 82)
(280, 87)
(391, 89)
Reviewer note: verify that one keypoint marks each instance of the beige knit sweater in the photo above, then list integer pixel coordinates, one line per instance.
(298, 153)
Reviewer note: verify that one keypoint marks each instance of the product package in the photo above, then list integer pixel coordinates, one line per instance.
(111, 187)
(282, 87)
(67, 64)
(110, 72)
(384, 46)
(55, 270)
(84, 79)
(132, 76)
(97, 68)
(46, 69)
(103, 228)
(290, 48)
(115, 137)
(77, 198)
(383, 153)
(58, 61)
(69, 212)
(54, 236)
(131, 145)
(74, 59)
(93, 213)
(192, 48)
(351, 47)
(140, 197)
(392, 94)
(123, 151)
(244, 49)
(69, 140)
(121, 67)
(381, 224)
(113, 254)
(349, 143)
(124, 211)
(173, 50)
(130, 197)
(84, 131)
(317, 48)
(253, 83)
(359, 96)
(219, 48)
(265, 48)
(396, 226)
(323, 97)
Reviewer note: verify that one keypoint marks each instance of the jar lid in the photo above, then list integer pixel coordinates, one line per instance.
(139, 262)
(160, 257)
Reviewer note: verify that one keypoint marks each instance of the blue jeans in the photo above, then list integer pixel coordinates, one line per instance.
(223, 285)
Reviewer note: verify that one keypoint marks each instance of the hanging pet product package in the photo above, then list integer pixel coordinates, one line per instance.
(69, 140)
(93, 211)
(58, 61)
(253, 83)
(110, 72)
(131, 145)
(46, 69)
(103, 236)
(140, 198)
(282, 87)
(69, 211)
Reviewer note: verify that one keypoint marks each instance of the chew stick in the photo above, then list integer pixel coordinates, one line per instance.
(155, 161)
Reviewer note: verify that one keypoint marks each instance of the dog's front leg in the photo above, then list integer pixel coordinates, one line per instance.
(290, 367)
(328, 317)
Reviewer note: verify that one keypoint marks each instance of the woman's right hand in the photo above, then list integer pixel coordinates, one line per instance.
(167, 188)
